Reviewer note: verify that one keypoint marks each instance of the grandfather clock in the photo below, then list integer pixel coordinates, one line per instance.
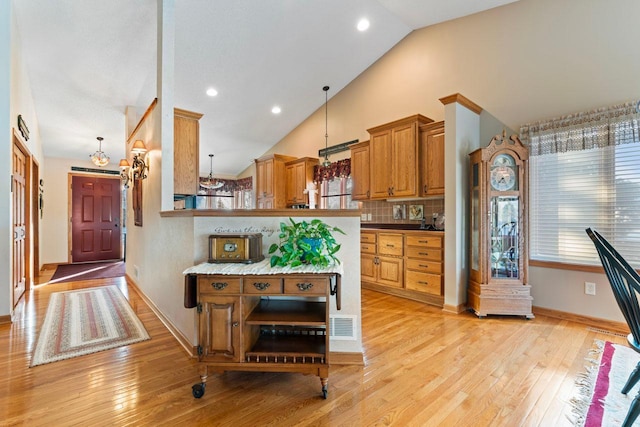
(499, 229)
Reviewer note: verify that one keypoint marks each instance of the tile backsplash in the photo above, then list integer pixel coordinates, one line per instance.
(382, 211)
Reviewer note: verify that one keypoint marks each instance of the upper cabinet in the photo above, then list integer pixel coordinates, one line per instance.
(432, 159)
(298, 174)
(186, 142)
(271, 181)
(393, 155)
(360, 170)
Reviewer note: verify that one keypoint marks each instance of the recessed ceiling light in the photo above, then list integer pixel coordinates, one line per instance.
(276, 110)
(212, 92)
(363, 24)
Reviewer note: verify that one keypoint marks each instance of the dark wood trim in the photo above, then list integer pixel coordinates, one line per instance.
(566, 266)
(5, 319)
(462, 100)
(595, 322)
(262, 213)
(405, 120)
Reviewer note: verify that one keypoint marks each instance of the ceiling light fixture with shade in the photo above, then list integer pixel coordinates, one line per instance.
(211, 183)
(99, 158)
(326, 163)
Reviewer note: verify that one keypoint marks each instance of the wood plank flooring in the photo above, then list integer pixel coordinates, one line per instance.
(422, 368)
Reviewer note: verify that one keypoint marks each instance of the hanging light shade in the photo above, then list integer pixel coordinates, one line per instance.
(326, 163)
(210, 183)
(99, 158)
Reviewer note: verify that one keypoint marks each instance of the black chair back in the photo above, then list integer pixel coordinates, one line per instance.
(624, 281)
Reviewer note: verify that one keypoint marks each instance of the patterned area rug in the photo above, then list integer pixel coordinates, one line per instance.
(86, 321)
(600, 402)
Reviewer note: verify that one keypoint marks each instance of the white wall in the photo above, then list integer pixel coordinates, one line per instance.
(5, 157)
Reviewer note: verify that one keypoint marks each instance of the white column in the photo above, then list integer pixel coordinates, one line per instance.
(166, 102)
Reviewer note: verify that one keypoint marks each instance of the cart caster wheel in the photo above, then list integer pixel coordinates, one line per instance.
(198, 390)
(325, 392)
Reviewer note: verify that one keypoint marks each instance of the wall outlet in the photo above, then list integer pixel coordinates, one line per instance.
(363, 217)
(368, 217)
(589, 288)
(136, 271)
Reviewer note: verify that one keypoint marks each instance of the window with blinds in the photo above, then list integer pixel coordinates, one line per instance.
(573, 190)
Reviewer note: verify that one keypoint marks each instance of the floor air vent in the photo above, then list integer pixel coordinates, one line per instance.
(342, 327)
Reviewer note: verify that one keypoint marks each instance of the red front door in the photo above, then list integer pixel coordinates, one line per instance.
(95, 218)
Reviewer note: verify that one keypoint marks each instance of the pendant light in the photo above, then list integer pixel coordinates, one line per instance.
(99, 158)
(326, 163)
(210, 183)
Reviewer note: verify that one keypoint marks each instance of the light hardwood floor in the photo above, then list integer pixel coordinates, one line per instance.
(422, 368)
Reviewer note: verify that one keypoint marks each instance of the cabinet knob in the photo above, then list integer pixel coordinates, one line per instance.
(218, 286)
(368, 194)
(261, 286)
(235, 324)
(424, 190)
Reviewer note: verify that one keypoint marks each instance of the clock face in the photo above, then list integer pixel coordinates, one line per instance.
(503, 174)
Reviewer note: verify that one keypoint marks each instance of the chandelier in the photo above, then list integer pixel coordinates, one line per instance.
(99, 158)
(326, 163)
(210, 183)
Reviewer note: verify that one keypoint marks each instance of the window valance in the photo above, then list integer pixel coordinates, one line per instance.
(614, 125)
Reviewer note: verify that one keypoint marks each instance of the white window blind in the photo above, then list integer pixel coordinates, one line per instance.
(573, 190)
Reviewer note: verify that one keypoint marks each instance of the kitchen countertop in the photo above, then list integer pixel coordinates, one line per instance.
(398, 226)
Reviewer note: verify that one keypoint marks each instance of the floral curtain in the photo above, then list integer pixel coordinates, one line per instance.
(339, 169)
(615, 125)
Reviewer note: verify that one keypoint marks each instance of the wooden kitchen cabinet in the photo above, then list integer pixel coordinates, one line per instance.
(432, 159)
(360, 170)
(263, 322)
(298, 173)
(393, 158)
(271, 181)
(186, 146)
(404, 263)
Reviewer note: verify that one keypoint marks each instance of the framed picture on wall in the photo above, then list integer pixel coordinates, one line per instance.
(137, 202)
(416, 212)
(398, 212)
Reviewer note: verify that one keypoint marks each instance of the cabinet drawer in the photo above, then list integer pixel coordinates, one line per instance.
(306, 285)
(219, 285)
(390, 244)
(426, 266)
(367, 237)
(426, 240)
(262, 285)
(424, 253)
(368, 248)
(424, 282)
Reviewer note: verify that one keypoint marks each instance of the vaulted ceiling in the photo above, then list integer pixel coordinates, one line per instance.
(87, 60)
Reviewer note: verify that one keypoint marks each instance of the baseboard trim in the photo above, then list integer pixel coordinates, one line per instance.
(182, 340)
(596, 322)
(52, 266)
(454, 309)
(346, 358)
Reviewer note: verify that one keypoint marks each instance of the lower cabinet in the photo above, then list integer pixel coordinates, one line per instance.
(403, 263)
(272, 323)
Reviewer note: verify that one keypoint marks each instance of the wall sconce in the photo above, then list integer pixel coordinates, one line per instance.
(138, 169)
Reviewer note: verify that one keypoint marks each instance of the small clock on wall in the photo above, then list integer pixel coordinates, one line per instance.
(499, 229)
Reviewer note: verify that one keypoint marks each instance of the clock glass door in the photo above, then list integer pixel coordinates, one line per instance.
(505, 235)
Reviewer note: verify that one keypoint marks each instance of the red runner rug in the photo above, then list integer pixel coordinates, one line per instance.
(76, 272)
(600, 402)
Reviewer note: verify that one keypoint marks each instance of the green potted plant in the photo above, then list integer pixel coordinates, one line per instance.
(305, 243)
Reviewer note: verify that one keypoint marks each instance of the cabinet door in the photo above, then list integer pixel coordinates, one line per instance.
(381, 167)
(267, 186)
(390, 244)
(360, 171)
(220, 329)
(186, 142)
(368, 267)
(404, 161)
(291, 185)
(390, 271)
(432, 159)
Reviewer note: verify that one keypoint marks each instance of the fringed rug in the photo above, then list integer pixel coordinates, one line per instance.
(599, 401)
(86, 321)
